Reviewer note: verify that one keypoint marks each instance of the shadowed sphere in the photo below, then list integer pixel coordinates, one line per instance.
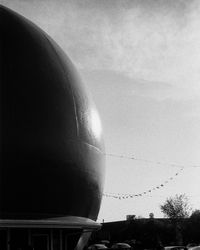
(51, 140)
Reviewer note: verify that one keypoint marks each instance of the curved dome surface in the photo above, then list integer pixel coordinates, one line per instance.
(51, 138)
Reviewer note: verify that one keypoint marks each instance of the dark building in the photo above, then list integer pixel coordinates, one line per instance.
(52, 166)
(150, 233)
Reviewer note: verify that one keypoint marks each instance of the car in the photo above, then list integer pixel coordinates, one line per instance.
(174, 248)
(105, 242)
(97, 246)
(190, 245)
(194, 248)
(121, 246)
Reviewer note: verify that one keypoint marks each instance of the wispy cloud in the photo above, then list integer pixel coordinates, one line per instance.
(153, 40)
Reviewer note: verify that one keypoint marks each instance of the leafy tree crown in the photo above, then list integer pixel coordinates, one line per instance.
(176, 207)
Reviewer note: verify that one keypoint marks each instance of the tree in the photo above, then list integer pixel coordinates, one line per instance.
(195, 215)
(193, 228)
(151, 216)
(176, 207)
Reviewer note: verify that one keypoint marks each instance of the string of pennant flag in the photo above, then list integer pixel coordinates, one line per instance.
(128, 196)
(150, 161)
(149, 191)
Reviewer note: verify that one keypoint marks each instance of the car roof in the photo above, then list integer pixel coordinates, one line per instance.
(194, 248)
(97, 246)
(122, 245)
(173, 247)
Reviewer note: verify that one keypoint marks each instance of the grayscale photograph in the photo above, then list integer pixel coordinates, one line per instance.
(100, 124)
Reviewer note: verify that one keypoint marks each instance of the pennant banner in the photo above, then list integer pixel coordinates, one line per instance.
(149, 161)
(127, 196)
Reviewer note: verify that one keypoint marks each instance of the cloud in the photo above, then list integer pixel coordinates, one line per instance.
(151, 40)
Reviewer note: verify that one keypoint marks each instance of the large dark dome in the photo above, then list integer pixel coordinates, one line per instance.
(51, 143)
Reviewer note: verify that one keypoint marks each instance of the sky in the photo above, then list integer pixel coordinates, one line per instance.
(141, 61)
